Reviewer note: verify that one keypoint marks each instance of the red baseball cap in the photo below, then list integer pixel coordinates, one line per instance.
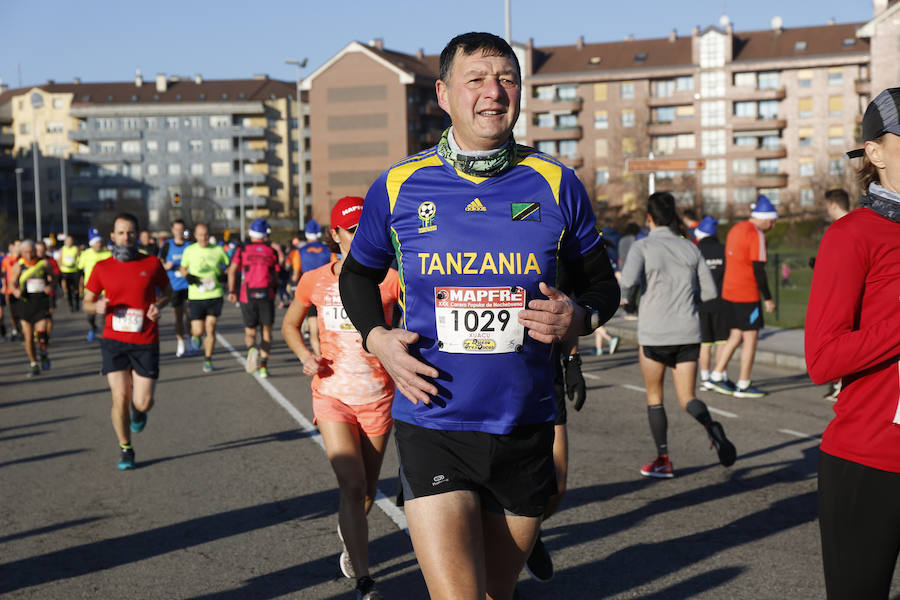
(346, 212)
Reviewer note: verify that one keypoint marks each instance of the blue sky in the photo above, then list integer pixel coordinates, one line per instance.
(106, 40)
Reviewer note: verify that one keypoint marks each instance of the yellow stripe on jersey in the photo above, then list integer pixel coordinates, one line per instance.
(398, 175)
(550, 171)
(401, 299)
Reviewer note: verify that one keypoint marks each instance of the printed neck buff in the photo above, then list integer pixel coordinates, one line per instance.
(125, 253)
(883, 201)
(479, 163)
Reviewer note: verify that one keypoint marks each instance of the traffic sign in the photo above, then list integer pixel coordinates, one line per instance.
(649, 165)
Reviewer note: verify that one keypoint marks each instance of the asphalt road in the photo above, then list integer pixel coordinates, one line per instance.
(233, 496)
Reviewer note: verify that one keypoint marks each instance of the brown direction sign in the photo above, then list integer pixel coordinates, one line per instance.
(648, 165)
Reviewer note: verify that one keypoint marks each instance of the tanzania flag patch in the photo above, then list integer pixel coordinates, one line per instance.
(525, 211)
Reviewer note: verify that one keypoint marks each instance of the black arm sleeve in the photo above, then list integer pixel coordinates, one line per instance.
(593, 282)
(762, 282)
(361, 296)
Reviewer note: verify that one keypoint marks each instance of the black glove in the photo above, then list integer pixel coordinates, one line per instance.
(223, 277)
(576, 389)
(192, 279)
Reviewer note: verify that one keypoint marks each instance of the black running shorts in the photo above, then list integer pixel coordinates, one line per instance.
(672, 355)
(512, 473)
(179, 297)
(143, 359)
(200, 309)
(714, 327)
(71, 278)
(746, 316)
(258, 312)
(34, 308)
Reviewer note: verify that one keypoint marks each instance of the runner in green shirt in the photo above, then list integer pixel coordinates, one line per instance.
(203, 265)
(87, 260)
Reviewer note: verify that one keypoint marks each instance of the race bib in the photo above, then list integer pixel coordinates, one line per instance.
(479, 320)
(68, 260)
(207, 285)
(177, 273)
(35, 285)
(336, 319)
(128, 320)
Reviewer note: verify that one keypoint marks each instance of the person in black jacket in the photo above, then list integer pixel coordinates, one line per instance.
(714, 327)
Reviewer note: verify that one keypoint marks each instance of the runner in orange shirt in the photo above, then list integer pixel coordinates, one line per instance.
(352, 393)
(6, 267)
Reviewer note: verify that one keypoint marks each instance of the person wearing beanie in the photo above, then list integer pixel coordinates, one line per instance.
(352, 393)
(714, 314)
(130, 289)
(87, 260)
(744, 284)
(312, 255)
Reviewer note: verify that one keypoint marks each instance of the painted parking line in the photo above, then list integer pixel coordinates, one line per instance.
(381, 500)
(800, 434)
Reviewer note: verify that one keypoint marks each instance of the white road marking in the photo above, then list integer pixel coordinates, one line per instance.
(635, 388)
(381, 500)
(720, 412)
(800, 434)
(591, 376)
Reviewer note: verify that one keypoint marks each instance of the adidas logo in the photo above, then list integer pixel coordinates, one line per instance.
(475, 206)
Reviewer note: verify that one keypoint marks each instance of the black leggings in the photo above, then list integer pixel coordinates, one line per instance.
(859, 519)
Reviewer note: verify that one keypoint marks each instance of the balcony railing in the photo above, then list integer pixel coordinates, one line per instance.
(680, 97)
(555, 104)
(671, 127)
(747, 93)
(555, 133)
(755, 124)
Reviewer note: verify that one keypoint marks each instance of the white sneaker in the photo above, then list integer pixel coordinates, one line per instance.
(345, 562)
(179, 351)
(252, 362)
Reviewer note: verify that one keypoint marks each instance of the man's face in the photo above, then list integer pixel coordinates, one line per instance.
(482, 98)
(765, 224)
(145, 238)
(40, 249)
(124, 233)
(26, 251)
(178, 231)
(201, 233)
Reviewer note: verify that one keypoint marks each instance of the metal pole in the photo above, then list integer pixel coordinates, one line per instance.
(36, 176)
(301, 159)
(508, 23)
(62, 185)
(241, 178)
(19, 171)
(651, 186)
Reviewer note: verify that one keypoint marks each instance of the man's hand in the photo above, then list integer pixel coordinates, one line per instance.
(100, 306)
(576, 388)
(312, 364)
(153, 312)
(557, 319)
(232, 297)
(391, 347)
(769, 306)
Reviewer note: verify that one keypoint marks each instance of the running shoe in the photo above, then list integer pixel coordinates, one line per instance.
(661, 468)
(195, 344)
(365, 589)
(345, 562)
(834, 388)
(539, 564)
(179, 350)
(724, 448)
(207, 366)
(613, 344)
(45, 362)
(34, 370)
(91, 335)
(630, 317)
(705, 384)
(252, 359)
(126, 459)
(723, 387)
(264, 372)
(138, 424)
(748, 392)
(598, 351)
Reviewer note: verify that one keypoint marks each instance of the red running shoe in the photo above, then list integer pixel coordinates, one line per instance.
(661, 468)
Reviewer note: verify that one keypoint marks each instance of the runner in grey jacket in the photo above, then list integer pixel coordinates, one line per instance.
(675, 279)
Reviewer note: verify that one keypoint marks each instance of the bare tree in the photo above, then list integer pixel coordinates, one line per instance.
(195, 205)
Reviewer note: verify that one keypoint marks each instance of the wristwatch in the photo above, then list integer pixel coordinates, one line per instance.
(591, 319)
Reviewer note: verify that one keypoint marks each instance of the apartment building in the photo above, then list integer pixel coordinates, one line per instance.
(137, 144)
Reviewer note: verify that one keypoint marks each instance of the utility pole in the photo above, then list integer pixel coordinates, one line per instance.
(301, 149)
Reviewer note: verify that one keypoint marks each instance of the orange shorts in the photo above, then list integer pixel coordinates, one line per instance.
(373, 418)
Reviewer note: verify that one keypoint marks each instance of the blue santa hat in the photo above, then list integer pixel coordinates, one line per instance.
(93, 236)
(312, 230)
(706, 228)
(763, 209)
(259, 229)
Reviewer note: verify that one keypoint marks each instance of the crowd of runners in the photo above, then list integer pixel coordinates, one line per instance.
(443, 288)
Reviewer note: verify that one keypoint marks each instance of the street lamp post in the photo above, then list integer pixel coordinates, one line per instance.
(62, 186)
(301, 149)
(241, 177)
(19, 171)
(37, 101)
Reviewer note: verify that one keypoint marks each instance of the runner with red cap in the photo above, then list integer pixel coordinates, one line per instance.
(352, 393)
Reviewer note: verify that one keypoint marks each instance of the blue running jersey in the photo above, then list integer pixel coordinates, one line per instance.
(172, 251)
(471, 252)
(313, 255)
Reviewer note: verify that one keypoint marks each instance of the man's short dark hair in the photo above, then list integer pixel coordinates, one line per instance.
(124, 216)
(177, 222)
(469, 43)
(839, 197)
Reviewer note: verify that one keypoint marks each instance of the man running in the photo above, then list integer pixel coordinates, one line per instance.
(87, 260)
(70, 276)
(203, 265)
(32, 279)
(135, 288)
(41, 253)
(743, 284)
(313, 254)
(477, 226)
(170, 254)
(259, 264)
(12, 303)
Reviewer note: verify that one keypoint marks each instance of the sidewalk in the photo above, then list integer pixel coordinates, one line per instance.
(777, 347)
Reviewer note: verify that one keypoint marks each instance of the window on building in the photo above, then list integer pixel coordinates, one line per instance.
(221, 145)
(665, 114)
(768, 166)
(106, 124)
(712, 85)
(807, 197)
(152, 146)
(628, 117)
(172, 122)
(173, 146)
(745, 109)
(54, 126)
(685, 111)
(601, 176)
(132, 193)
(193, 122)
(152, 123)
(567, 92)
(744, 195)
(805, 108)
(714, 200)
(835, 76)
(131, 123)
(805, 136)
(663, 144)
(712, 114)
(131, 147)
(685, 141)
(836, 165)
(24, 128)
(806, 167)
(767, 80)
(626, 90)
(152, 169)
(107, 194)
(629, 146)
(773, 194)
(543, 92)
(768, 109)
(684, 83)
(196, 168)
(836, 135)
(601, 148)
(600, 92)
(804, 78)
(743, 166)
(712, 49)
(58, 103)
(771, 142)
(220, 168)
(747, 141)
(835, 106)
(663, 88)
(196, 145)
(174, 169)
(219, 121)
(108, 169)
(745, 79)
(715, 172)
(133, 169)
(567, 121)
(224, 191)
(601, 119)
(544, 120)
(109, 147)
(568, 148)
(712, 141)
(547, 146)
(799, 46)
